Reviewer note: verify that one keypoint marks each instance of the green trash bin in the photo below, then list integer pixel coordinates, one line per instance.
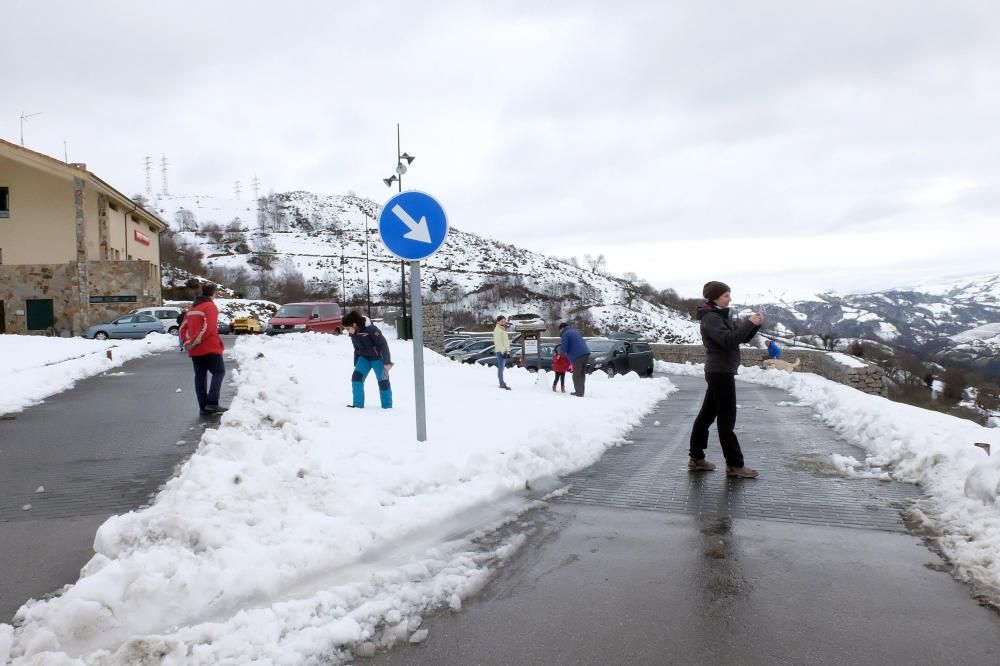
(404, 327)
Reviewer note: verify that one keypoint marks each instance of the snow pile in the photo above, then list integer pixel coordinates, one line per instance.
(40, 366)
(917, 446)
(301, 529)
(849, 361)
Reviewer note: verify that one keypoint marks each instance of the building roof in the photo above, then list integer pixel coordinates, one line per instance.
(74, 170)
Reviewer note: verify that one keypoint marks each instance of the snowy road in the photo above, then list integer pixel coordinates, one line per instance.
(97, 450)
(644, 563)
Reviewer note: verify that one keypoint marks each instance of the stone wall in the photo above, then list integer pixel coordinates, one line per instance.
(59, 282)
(869, 379)
(433, 323)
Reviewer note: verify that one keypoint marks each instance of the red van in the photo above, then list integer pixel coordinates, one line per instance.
(303, 317)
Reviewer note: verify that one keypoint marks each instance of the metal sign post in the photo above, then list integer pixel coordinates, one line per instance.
(417, 308)
(413, 226)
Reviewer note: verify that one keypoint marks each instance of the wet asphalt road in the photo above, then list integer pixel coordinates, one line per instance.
(100, 449)
(644, 563)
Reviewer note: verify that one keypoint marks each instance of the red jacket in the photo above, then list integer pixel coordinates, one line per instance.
(200, 330)
(560, 363)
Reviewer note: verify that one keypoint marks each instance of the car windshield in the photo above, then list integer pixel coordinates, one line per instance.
(602, 346)
(294, 311)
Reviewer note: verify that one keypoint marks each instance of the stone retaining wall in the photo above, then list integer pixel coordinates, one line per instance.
(869, 379)
(60, 282)
(433, 323)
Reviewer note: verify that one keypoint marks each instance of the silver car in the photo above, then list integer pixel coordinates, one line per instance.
(129, 326)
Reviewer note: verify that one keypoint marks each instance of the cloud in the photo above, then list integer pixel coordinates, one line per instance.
(563, 127)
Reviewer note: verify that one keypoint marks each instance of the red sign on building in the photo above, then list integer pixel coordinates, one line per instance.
(141, 237)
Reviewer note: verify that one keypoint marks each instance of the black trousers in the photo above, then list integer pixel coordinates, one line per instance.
(719, 406)
(579, 374)
(560, 379)
(202, 366)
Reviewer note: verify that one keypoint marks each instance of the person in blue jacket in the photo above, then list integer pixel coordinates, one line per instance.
(575, 347)
(371, 352)
(773, 350)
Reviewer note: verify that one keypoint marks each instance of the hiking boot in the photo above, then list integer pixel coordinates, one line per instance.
(700, 465)
(215, 409)
(553, 389)
(741, 472)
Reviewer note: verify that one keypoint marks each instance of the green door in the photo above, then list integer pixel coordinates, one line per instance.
(40, 315)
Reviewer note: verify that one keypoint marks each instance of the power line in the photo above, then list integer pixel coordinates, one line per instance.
(236, 186)
(149, 175)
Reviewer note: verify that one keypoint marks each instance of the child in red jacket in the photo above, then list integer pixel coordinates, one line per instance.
(560, 365)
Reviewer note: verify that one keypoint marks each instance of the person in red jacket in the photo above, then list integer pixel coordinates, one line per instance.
(560, 365)
(200, 336)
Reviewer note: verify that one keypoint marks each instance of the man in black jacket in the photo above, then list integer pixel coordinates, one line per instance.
(722, 338)
(371, 352)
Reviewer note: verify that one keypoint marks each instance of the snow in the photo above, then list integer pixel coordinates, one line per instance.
(300, 530)
(913, 445)
(849, 361)
(987, 334)
(41, 366)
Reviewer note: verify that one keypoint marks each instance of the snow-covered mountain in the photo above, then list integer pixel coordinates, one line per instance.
(956, 320)
(323, 238)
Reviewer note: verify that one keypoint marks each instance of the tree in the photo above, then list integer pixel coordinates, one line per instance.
(595, 264)
(185, 220)
(955, 383)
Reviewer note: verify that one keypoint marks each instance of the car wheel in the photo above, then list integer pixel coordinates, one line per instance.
(172, 330)
(338, 331)
(649, 371)
(100, 335)
(611, 371)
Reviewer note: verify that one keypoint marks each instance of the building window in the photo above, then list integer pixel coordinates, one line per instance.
(4, 202)
(1, 256)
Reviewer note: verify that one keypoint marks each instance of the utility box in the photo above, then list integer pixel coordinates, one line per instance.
(404, 327)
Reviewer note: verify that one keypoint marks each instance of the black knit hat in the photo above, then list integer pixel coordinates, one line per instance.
(353, 318)
(712, 290)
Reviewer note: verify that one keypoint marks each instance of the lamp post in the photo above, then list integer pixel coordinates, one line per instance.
(398, 179)
(368, 275)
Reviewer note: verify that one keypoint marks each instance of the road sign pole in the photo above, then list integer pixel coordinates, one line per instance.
(417, 307)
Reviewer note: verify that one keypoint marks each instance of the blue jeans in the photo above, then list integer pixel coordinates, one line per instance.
(500, 366)
(361, 369)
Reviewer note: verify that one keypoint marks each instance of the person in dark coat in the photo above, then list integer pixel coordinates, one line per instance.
(575, 347)
(371, 352)
(722, 338)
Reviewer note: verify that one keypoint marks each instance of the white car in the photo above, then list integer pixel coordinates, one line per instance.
(166, 315)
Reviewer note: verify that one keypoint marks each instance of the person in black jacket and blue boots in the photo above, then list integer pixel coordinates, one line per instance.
(371, 352)
(722, 338)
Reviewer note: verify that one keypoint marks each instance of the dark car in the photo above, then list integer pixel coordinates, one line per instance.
(474, 345)
(617, 357)
(477, 354)
(544, 357)
(491, 360)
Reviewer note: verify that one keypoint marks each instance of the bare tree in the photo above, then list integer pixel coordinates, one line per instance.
(595, 264)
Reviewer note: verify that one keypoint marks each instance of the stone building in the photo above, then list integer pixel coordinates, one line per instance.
(74, 251)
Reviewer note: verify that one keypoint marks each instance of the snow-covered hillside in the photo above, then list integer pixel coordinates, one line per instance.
(323, 237)
(948, 320)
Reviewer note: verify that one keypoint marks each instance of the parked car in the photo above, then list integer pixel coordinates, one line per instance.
(452, 345)
(545, 352)
(305, 317)
(485, 352)
(167, 314)
(475, 345)
(491, 360)
(526, 322)
(225, 328)
(129, 326)
(617, 357)
(243, 325)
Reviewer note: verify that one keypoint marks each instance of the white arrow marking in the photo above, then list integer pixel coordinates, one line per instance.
(418, 231)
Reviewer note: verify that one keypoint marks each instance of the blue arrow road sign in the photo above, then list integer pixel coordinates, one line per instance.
(413, 225)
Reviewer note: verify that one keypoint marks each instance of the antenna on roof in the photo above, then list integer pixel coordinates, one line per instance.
(25, 116)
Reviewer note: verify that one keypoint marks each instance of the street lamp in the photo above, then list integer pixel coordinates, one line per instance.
(368, 275)
(398, 179)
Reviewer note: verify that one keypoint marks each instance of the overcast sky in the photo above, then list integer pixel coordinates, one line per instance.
(783, 147)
